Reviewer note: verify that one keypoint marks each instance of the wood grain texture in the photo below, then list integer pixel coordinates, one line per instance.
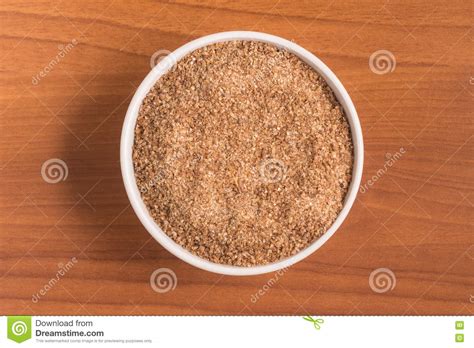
(415, 219)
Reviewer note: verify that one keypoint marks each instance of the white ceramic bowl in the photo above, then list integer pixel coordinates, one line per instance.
(127, 139)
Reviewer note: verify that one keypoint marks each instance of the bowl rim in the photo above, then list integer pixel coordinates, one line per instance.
(127, 140)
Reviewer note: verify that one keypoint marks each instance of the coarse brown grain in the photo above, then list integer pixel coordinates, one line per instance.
(242, 153)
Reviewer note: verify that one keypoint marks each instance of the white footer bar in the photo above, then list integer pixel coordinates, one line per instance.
(238, 331)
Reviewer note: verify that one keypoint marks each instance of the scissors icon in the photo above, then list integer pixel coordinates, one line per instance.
(316, 322)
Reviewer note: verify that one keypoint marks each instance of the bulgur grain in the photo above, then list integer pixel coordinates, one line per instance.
(242, 153)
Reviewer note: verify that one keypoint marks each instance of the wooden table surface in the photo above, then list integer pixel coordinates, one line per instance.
(68, 71)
